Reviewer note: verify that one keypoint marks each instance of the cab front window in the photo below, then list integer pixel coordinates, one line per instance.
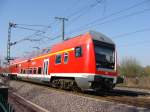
(105, 56)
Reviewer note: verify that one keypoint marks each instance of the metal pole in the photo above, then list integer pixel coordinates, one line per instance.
(63, 29)
(8, 42)
(63, 26)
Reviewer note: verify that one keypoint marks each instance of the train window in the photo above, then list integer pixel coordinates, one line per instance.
(34, 71)
(27, 71)
(78, 51)
(30, 71)
(24, 71)
(58, 59)
(39, 70)
(65, 57)
(21, 71)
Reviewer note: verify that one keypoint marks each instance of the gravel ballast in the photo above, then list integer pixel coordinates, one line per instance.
(59, 101)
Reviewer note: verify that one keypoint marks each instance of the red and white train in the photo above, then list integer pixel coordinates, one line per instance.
(88, 61)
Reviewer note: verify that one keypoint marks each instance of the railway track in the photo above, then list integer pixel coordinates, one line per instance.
(19, 103)
(22, 105)
(133, 98)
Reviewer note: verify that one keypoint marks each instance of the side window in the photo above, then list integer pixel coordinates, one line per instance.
(39, 70)
(78, 51)
(34, 71)
(65, 57)
(24, 71)
(27, 71)
(58, 59)
(21, 71)
(30, 71)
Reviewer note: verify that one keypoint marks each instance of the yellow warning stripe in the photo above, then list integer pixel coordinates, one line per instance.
(66, 50)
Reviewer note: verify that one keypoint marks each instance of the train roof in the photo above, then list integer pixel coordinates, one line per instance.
(97, 36)
(71, 42)
(100, 37)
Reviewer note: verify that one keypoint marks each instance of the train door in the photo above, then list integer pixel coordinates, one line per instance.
(45, 66)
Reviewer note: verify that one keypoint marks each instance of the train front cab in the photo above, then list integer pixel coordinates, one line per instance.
(105, 65)
(105, 75)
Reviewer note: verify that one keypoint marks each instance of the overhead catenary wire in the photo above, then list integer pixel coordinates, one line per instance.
(50, 38)
(114, 37)
(77, 14)
(90, 24)
(115, 19)
(73, 14)
(45, 27)
(92, 5)
(131, 33)
(30, 37)
(105, 17)
(135, 44)
(80, 13)
(33, 25)
(36, 33)
(73, 5)
(104, 9)
(111, 15)
(24, 39)
(29, 29)
(118, 12)
(83, 9)
(111, 20)
(123, 17)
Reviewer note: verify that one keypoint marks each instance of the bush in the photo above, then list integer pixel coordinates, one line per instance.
(130, 67)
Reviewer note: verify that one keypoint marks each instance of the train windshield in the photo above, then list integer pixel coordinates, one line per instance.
(105, 56)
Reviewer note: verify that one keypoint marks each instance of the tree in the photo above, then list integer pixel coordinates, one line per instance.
(147, 70)
(130, 67)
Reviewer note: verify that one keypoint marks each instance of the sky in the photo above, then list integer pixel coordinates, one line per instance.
(126, 22)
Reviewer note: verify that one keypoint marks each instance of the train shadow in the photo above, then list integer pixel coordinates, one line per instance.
(119, 92)
(130, 93)
(114, 92)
